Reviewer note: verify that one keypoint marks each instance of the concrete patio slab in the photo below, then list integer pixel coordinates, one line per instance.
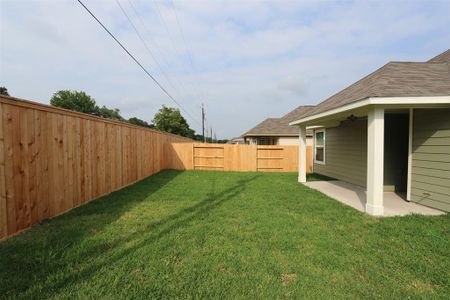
(355, 196)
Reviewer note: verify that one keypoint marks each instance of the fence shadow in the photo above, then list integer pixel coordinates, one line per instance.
(149, 233)
(61, 234)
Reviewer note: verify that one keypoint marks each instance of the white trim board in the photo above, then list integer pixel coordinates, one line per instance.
(378, 101)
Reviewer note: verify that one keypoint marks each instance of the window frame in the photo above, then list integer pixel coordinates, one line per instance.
(323, 146)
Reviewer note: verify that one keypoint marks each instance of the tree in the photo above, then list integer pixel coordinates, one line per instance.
(198, 137)
(82, 102)
(139, 122)
(4, 91)
(170, 120)
(108, 113)
(75, 100)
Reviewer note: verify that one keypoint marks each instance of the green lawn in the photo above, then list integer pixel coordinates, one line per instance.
(200, 234)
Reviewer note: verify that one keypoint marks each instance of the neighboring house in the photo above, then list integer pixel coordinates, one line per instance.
(276, 131)
(236, 141)
(388, 131)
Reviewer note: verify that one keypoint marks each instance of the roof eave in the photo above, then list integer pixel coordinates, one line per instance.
(422, 100)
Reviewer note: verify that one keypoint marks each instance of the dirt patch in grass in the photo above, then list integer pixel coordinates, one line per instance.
(286, 278)
(421, 287)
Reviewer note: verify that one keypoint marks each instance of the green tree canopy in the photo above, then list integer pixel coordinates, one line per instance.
(108, 113)
(75, 100)
(82, 102)
(139, 122)
(4, 91)
(169, 119)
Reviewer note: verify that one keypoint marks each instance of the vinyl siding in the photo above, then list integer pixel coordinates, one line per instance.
(285, 141)
(346, 153)
(430, 173)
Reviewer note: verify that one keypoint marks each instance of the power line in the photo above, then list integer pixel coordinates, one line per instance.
(194, 69)
(154, 42)
(137, 62)
(149, 34)
(189, 53)
(182, 35)
(145, 44)
(155, 3)
(173, 44)
(207, 110)
(203, 124)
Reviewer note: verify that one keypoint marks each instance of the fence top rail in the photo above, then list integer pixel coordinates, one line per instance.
(270, 148)
(48, 108)
(259, 147)
(197, 145)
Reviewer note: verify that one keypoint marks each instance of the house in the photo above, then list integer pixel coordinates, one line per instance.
(236, 141)
(276, 131)
(389, 131)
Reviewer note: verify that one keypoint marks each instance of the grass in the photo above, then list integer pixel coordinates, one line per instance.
(200, 234)
(318, 177)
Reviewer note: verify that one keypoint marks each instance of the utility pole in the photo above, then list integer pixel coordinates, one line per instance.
(210, 135)
(203, 124)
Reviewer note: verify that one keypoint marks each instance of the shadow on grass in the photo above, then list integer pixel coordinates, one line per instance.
(47, 244)
(147, 235)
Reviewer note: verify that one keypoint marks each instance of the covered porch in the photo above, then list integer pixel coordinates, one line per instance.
(373, 175)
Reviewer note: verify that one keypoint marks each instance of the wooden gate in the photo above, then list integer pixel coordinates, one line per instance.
(270, 159)
(208, 157)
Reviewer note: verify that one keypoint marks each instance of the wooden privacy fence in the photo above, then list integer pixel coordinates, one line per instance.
(52, 160)
(193, 156)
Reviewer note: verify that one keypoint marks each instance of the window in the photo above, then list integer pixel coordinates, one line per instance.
(266, 141)
(319, 146)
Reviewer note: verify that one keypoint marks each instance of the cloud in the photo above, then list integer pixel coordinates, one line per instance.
(251, 59)
(294, 85)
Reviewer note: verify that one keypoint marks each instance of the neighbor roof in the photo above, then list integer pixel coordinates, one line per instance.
(395, 79)
(280, 126)
(441, 58)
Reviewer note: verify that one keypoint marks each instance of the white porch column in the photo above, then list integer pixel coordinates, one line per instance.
(410, 140)
(302, 154)
(375, 161)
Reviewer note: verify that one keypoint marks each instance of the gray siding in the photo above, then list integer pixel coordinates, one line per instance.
(430, 181)
(346, 153)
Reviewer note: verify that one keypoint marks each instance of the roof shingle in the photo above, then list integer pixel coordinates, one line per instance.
(395, 79)
(279, 126)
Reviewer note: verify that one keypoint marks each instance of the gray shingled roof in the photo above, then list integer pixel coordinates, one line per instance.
(279, 126)
(395, 79)
(441, 58)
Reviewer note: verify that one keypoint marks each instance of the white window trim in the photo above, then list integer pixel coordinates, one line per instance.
(324, 146)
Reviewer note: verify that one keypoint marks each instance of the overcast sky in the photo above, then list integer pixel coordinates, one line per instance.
(246, 60)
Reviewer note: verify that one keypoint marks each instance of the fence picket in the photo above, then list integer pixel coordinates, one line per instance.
(52, 160)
